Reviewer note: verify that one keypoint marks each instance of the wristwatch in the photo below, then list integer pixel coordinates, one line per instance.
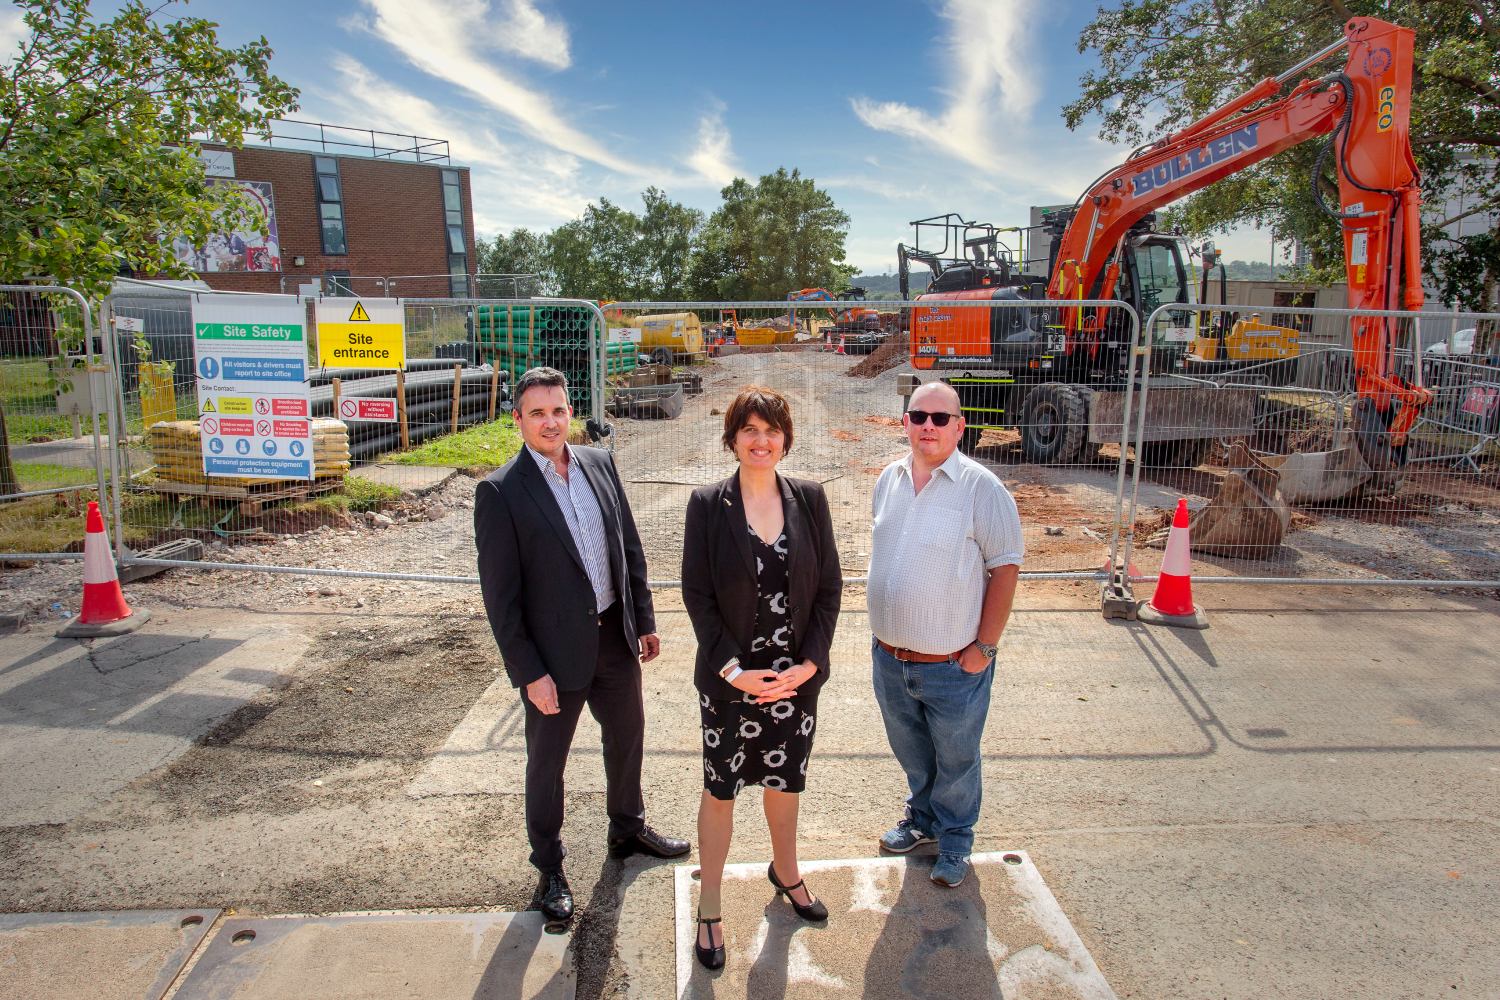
(730, 670)
(987, 649)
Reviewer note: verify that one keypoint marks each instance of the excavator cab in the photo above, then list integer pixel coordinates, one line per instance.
(1155, 274)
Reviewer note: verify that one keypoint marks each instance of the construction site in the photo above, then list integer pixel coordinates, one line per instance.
(293, 765)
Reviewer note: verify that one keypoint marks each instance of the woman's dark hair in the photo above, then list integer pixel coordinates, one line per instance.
(758, 401)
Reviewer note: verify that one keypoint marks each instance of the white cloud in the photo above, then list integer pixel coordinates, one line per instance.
(990, 89)
(512, 185)
(871, 185)
(452, 40)
(527, 32)
(712, 158)
(13, 31)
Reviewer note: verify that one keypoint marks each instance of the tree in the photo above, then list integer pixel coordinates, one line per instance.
(99, 125)
(778, 234)
(666, 234)
(1164, 63)
(522, 252)
(612, 253)
(596, 256)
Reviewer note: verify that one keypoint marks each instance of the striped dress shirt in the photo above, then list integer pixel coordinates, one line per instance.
(580, 508)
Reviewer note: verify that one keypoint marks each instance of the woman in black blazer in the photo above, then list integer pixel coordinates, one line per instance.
(761, 582)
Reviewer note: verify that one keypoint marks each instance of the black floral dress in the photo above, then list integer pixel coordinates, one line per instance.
(745, 743)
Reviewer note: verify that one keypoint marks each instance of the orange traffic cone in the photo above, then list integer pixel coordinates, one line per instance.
(1172, 603)
(104, 610)
(841, 347)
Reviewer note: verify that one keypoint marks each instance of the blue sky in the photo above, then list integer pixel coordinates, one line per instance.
(899, 109)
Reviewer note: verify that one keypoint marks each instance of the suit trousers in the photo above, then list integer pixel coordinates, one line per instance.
(614, 697)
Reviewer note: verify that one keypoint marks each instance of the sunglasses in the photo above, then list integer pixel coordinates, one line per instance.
(939, 419)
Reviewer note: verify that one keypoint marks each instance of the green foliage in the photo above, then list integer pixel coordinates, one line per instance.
(356, 495)
(99, 124)
(766, 239)
(489, 445)
(1165, 63)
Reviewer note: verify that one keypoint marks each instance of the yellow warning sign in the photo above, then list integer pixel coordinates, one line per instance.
(372, 336)
(208, 405)
(232, 405)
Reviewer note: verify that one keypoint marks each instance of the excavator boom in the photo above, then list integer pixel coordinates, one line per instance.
(1366, 109)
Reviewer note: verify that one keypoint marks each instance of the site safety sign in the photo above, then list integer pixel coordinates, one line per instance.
(250, 358)
(380, 411)
(361, 333)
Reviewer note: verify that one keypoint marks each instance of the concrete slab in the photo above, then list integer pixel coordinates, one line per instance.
(128, 953)
(80, 719)
(383, 956)
(892, 932)
(76, 452)
(415, 479)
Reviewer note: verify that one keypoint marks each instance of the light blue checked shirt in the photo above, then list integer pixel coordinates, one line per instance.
(580, 508)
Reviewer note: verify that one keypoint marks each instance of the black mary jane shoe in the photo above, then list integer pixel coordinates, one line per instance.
(710, 958)
(814, 911)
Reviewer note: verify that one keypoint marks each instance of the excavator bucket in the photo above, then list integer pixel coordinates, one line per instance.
(1321, 476)
(1248, 519)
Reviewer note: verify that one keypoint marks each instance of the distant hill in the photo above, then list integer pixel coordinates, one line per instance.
(880, 286)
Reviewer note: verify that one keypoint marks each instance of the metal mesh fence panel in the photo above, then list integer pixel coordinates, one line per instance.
(389, 446)
(1316, 486)
(847, 370)
(54, 418)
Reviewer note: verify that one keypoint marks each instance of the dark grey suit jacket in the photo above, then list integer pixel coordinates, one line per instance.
(537, 594)
(718, 578)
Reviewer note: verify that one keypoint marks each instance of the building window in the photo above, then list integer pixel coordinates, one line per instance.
(330, 205)
(453, 224)
(337, 283)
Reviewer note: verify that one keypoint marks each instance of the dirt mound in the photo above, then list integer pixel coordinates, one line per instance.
(885, 357)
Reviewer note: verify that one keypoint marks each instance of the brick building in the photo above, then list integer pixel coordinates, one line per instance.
(367, 212)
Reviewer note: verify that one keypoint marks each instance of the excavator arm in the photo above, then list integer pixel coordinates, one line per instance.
(1366, 108)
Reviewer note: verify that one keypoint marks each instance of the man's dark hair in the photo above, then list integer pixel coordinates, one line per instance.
(536, 377)
(758, 401)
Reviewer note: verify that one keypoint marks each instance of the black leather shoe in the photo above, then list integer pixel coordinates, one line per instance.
(557, 896)
(709, 958)
(814, 910)
(648, 841)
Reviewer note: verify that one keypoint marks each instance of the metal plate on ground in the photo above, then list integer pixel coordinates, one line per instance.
(891, 932)
(126, 953)
(383, 956)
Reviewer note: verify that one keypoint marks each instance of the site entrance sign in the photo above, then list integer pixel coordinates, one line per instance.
(361, 333)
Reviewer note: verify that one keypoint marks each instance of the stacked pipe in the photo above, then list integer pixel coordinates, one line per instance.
(518, 337)
(429, 406)
(323, 376)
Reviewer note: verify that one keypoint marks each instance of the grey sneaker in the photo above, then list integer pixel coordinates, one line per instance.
(950, 869)
(904, 836)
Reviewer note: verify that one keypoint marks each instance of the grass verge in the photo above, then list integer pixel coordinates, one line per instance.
(484, 446)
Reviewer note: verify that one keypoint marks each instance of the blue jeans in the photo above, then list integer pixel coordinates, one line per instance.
(934, 716)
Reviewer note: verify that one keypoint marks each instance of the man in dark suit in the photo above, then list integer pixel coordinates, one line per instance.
(564, 582)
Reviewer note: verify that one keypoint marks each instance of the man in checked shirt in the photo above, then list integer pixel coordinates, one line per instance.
(944, 562)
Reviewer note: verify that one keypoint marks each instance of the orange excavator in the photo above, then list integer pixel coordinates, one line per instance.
(1058, 374)
(849, 319)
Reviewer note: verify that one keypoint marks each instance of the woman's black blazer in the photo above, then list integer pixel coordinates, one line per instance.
(718, 578)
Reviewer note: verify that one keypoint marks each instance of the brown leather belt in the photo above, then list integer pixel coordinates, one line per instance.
(912, 656)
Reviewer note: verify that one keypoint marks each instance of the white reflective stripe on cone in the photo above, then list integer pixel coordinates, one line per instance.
(98, 564)
(1177, 561)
